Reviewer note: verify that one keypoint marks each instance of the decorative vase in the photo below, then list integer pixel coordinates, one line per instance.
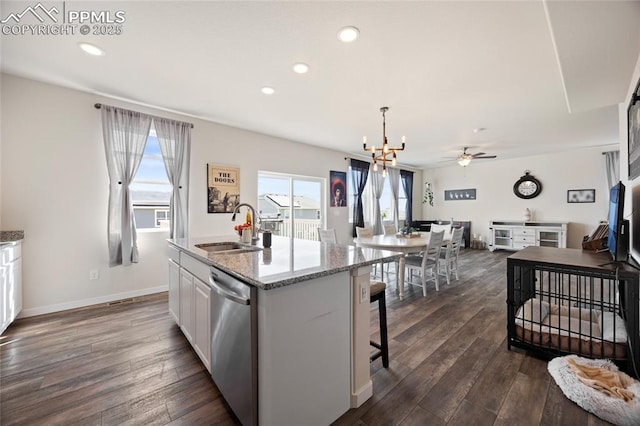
(527, 215)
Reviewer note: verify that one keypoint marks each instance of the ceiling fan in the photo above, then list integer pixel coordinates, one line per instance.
(465, 158)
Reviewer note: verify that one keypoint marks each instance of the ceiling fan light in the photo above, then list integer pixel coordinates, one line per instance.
(464, 161)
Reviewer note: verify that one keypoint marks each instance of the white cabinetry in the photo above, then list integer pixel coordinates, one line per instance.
(190, 301)
(516, 235)
(10, 283)
(174, 290)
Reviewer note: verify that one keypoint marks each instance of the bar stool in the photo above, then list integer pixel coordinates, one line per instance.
(376, 292)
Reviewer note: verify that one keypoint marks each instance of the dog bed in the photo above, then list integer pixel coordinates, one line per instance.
(583, 331)
(609, 408)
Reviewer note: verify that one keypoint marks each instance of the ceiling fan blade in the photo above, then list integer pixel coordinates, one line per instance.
(479, 154)
(485, 157)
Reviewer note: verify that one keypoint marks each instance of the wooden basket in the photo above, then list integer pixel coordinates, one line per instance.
(595, 245)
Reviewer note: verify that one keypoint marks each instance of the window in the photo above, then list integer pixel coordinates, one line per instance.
(150, 188)
(291, 206)
(386, 201)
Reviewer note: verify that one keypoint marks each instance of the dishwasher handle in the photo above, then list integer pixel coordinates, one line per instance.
(226, 293)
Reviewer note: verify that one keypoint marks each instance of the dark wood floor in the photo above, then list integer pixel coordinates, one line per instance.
(129, 364)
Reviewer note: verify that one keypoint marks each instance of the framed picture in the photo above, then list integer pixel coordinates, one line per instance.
(223, 188)
(633, 122)
(337, 189)
(581, 196)
(459, 194)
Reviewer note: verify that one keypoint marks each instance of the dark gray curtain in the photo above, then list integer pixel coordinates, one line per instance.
(359, 175)
(407, 184)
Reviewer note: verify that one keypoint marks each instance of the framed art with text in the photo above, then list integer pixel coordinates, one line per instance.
(633, 123)
(223, 188)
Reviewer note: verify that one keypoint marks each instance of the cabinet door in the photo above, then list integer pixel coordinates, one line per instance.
(202, 333)
(174, 290)
(548, 238)
(187, 314)
(501, 237)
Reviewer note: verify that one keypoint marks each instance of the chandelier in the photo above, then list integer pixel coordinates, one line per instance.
(380, 154)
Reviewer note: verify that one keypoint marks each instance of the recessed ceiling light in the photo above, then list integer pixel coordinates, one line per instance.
(267, 90)
(300, 68)
(348, 34)
(91, 49)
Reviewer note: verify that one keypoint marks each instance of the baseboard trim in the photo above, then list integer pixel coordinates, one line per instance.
(88, 302)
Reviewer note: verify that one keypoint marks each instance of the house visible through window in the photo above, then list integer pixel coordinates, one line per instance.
(150, 189)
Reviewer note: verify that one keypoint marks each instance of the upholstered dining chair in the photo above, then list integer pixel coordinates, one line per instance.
(427, 262)
(327, 235)
(448, 261)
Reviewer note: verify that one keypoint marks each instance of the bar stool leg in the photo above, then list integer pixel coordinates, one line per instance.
(382, 306)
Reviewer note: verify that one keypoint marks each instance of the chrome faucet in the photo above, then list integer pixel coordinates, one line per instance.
(254, 230)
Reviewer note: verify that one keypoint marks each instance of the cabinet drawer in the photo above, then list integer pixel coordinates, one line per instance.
(524, 239)
(196, 267)
(524, 232)
(173, 253)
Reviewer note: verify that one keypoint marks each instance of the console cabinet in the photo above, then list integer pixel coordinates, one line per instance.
(516, 235)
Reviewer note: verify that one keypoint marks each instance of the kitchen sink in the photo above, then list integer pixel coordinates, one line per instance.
(227, 247)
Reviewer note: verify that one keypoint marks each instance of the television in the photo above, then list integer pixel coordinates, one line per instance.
(618, 238)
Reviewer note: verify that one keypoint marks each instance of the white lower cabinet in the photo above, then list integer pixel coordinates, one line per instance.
(202, 314)
(187, 313)
(190, 303)
(10, 283)
(174, 290)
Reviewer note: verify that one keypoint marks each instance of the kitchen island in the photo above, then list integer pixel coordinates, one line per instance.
(310, 322)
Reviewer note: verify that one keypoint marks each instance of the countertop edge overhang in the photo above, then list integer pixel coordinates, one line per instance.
(299, 260)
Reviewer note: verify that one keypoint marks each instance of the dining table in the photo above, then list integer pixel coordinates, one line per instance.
(406, 244)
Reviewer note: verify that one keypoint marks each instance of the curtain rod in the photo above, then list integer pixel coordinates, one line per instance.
(606, 152)
(98, 106)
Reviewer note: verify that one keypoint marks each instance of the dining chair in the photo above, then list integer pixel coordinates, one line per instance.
(327, 235)
(427, 262)
(367, 232)
(437, 228)
(390, 229)
(448, 261)
(364, 232)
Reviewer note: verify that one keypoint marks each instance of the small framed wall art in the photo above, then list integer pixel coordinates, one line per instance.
(581, 196)
(459, 194)
(223, 188)
(338, 190)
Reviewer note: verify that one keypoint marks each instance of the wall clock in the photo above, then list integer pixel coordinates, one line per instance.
(527, 186)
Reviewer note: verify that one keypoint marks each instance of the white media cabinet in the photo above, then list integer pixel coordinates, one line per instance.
(516, 235)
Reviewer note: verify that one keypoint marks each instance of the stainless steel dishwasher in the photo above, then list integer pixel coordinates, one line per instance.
(234, 344)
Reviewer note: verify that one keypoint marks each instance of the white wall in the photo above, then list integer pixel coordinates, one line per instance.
(54, 186)
(495, 200)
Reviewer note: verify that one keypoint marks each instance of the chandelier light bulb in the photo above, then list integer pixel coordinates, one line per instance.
(375, 166)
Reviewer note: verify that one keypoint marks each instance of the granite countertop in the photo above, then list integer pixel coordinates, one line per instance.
(288, 261)
(11, 236)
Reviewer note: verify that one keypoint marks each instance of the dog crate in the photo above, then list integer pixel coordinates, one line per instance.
(569, 301)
